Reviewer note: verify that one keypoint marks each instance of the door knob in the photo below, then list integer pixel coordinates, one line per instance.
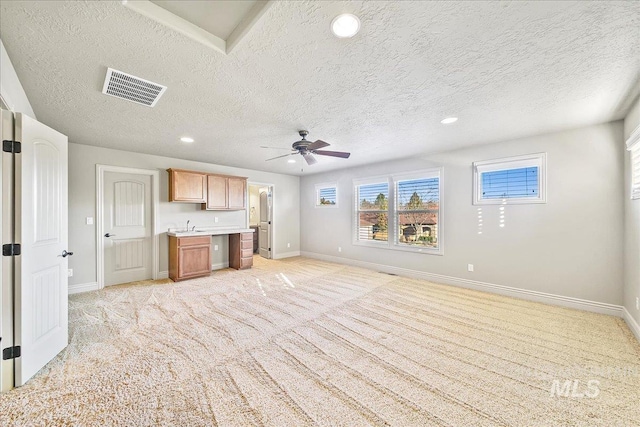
(66, 254)
(109, 235)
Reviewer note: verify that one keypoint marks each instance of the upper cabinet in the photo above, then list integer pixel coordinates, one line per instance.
(237, 192)
(215, 192)
(226, 193)
(187, 186)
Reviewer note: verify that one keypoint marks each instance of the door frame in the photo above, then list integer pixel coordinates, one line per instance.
(7, 268)
(155, 202)
(273, 208)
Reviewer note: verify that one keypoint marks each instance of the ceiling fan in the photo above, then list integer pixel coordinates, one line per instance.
(308, 148)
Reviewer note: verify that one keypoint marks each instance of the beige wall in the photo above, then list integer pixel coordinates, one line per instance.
(82, 204)
(631, 224)
(570, 246)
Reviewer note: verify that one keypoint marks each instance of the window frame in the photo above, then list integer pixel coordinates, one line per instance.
(410, 176)
(538, 160)
(633, 146)
(356, 211)
(323, 186)
(393, 242)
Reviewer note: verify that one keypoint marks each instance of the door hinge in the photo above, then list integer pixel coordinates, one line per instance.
(11, 353)
(11, 249)
(9, 146)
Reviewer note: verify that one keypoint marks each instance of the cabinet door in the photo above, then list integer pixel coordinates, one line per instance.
(237, 193)
(194, 261)
(217, 192)
(186, 186)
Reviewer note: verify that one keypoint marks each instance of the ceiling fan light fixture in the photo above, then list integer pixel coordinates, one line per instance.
(345, 25)
(291, 161)
(449, 120)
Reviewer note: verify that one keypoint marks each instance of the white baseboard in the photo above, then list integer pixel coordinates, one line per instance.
(163, 274)
(286, 255)
(83, 287)
(633, 325)
(220, 265)
(553, 299)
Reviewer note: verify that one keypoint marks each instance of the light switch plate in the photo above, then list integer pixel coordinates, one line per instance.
(89, 220)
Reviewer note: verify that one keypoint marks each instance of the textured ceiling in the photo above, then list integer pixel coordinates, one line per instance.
(506, 69)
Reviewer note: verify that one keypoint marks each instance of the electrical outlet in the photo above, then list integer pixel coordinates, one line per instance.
(215, 219)
(469, 267)
(89, 220)
(70, 272)
(215, 247)
(637, 303)
(339, 249)
(288, 245)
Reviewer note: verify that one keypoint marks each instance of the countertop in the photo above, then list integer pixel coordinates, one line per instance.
(208, 231)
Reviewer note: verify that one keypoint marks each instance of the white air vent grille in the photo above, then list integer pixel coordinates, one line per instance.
(134, 89)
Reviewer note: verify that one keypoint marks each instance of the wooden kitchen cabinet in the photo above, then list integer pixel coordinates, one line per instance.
(241, 250)
(237, 192)
(189, 257)
(225, 193)
(187, 186)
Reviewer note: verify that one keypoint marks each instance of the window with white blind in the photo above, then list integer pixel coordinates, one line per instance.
(634, 148)
(401, 212)
(518, 179)
(326, 195)
(417, 210)
(372, 211)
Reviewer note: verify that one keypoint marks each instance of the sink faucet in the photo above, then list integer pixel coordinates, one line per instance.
(188, 221)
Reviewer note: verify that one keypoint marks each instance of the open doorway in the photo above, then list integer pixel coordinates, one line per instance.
(261, 218)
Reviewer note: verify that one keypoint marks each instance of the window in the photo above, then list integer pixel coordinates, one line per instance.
(417, 209)
(515, 179)
(633, 145)
(372, 211)
(401, 212)
(326, 195)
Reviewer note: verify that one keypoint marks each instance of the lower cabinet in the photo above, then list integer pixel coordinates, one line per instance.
(189, 257)
(241, 250)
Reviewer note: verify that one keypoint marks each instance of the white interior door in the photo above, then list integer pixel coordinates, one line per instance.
(41, 319)
(127, 228)
(264, 238)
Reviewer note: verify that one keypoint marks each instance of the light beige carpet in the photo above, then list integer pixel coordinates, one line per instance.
(301, 342)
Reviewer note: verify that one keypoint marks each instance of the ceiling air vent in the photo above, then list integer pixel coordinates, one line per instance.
(132, 88)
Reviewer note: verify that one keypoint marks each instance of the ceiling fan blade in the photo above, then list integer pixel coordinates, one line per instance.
(284, 155)
(318, 144)
(275, 148)
(310, 159)
(341, 154)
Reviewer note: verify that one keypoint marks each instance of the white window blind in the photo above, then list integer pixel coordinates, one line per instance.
(417, 211)
(372, 212)
(326, 195)
(518, 179)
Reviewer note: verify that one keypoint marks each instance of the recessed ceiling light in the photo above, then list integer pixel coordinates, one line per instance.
(186, 139)
(291, 161)
(345, 25)
(449, 120)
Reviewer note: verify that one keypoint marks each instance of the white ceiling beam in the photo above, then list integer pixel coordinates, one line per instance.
(247, 23)
(163, 16)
